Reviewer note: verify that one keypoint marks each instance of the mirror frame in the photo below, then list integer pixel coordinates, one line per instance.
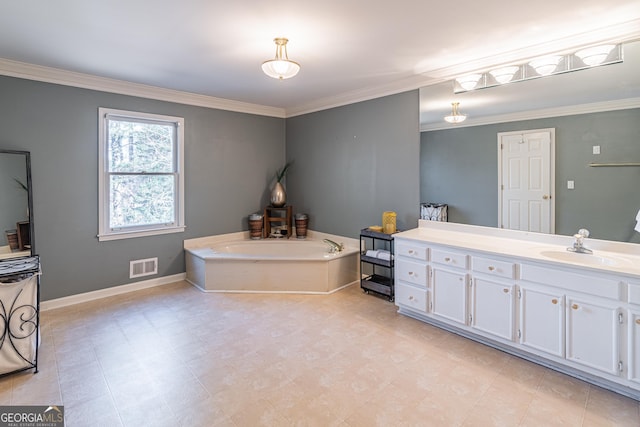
(27, 156)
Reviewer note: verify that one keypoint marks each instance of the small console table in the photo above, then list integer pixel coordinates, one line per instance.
(279, 216)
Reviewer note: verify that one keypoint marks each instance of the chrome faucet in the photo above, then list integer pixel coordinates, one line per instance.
(578, 247)
(333, 246)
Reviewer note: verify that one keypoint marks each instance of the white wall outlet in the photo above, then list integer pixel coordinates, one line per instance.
(596, 149)
(570, 184)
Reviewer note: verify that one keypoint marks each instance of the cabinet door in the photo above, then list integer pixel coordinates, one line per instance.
(634, 346)
(492, 307)
(592, 334)
(542, 321)
(450, 295)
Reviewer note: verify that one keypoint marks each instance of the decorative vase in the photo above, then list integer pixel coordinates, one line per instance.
(278, 196)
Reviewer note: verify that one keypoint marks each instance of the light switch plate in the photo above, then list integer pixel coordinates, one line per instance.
(570, 185)
(596, 149)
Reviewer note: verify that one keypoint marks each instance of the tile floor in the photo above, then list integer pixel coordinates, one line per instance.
(174, 356)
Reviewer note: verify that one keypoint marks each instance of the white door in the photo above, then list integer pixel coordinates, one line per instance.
(526, 180)
(492, 307)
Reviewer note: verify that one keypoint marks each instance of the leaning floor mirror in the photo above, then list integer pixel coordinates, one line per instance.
(19, 266)
(16, 205)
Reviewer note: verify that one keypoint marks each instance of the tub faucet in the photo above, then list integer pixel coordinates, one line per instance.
(578, 247)
(333, 246)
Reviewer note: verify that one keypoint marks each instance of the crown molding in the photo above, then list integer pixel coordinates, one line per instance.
(596, 107)
(86, 81)
(360, 95)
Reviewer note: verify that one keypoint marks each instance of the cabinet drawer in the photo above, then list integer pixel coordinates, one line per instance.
(411, 296)
(493, 267)
(412, 272)
(453, 259)
(411, 251)
(587, 283)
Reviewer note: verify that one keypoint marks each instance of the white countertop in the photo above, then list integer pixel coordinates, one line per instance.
(608, 256)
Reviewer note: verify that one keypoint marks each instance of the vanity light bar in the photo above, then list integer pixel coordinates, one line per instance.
(543, 66)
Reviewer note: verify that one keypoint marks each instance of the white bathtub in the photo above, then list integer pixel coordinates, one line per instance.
(235, 263)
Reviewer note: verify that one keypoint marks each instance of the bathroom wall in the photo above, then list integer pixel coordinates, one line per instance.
(230, 159)
(459, 167)
(353, 162)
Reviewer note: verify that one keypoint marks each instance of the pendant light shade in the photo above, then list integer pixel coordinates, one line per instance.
(455, 116)
(280, 67)
(596, 55)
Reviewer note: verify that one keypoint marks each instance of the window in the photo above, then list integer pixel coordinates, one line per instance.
(141, 182)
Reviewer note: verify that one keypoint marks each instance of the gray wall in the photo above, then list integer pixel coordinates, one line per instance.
(230, 160)
(459, 167)
(351, 163)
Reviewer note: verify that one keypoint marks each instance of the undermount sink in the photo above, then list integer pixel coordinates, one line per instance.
(579, 258)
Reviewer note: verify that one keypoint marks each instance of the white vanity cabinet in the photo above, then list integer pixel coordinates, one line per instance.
(580, 320)
(449, 282)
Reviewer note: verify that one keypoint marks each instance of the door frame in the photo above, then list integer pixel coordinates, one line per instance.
(552, 173)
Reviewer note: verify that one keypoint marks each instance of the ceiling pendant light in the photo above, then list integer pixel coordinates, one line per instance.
(455, 116)
(280, 67)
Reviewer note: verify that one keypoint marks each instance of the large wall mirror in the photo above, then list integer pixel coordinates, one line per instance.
(16, 205)
(589, 109)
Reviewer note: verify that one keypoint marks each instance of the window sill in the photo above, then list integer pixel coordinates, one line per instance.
(139, 233)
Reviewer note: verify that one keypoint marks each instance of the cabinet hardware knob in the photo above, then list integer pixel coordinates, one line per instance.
(545, 197)
(410, 251)
(411, 298)
(505, 290)
(574, 306)
(410, 273)
(491, 268)
(447, 259)
(637, 321)
(554, 301)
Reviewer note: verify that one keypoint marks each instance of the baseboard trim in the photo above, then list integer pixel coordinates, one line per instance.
(108, 292)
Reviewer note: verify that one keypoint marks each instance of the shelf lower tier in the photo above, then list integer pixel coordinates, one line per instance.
(379, 284)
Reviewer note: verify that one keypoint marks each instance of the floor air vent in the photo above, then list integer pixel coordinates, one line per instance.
(143, 267)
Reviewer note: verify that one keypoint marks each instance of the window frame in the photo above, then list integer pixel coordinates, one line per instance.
(105, 232)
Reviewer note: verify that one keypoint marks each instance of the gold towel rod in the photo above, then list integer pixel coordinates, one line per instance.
(597, 165)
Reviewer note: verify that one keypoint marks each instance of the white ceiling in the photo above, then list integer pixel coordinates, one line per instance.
(349, 50)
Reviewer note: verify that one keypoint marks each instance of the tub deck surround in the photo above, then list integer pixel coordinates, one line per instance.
(235, 263)
(616, 257)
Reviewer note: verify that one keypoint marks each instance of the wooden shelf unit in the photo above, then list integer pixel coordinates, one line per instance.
(277, 215)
